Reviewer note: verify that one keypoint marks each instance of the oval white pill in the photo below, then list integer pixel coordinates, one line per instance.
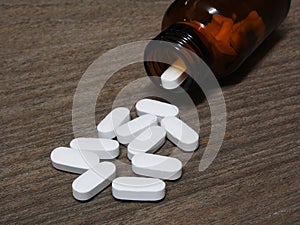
(128, 131)
(158, 166)
(158, 108)
(104, 148)
(150, 140)
(72, 160)
(138, 189)
(180, 134)
(106, 128)
(173, 77)
(93, 181)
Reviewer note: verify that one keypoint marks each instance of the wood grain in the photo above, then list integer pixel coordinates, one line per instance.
(45, 48)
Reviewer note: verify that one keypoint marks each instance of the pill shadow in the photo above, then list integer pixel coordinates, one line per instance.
(105, 193)
(141, 202)
(245, 69)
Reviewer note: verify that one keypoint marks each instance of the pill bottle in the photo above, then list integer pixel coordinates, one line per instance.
(223, 33)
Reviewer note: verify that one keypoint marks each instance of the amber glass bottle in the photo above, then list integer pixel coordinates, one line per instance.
(223, 33)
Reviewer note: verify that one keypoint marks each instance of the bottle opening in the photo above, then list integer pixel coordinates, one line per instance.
(168, 65)
(173, 57)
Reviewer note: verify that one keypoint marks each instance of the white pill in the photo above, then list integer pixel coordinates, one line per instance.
(104, 148)
(138, 189)
(150, 140)
(128, 131)
(93, 181)
(180, 134)
(158, 166)
(174, 76)
(72, 160)
(160, 109)
(106, 128)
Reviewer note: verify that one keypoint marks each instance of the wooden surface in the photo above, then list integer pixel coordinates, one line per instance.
(45, 47)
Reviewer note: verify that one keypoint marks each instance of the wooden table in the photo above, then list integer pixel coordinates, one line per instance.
(47, 46)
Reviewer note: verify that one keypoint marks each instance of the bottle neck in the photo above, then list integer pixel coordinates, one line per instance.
(178, 41)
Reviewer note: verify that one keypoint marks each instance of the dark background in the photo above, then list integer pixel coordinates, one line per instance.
(45, 47)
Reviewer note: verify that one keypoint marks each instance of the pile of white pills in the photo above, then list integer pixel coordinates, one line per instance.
(143, 136)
